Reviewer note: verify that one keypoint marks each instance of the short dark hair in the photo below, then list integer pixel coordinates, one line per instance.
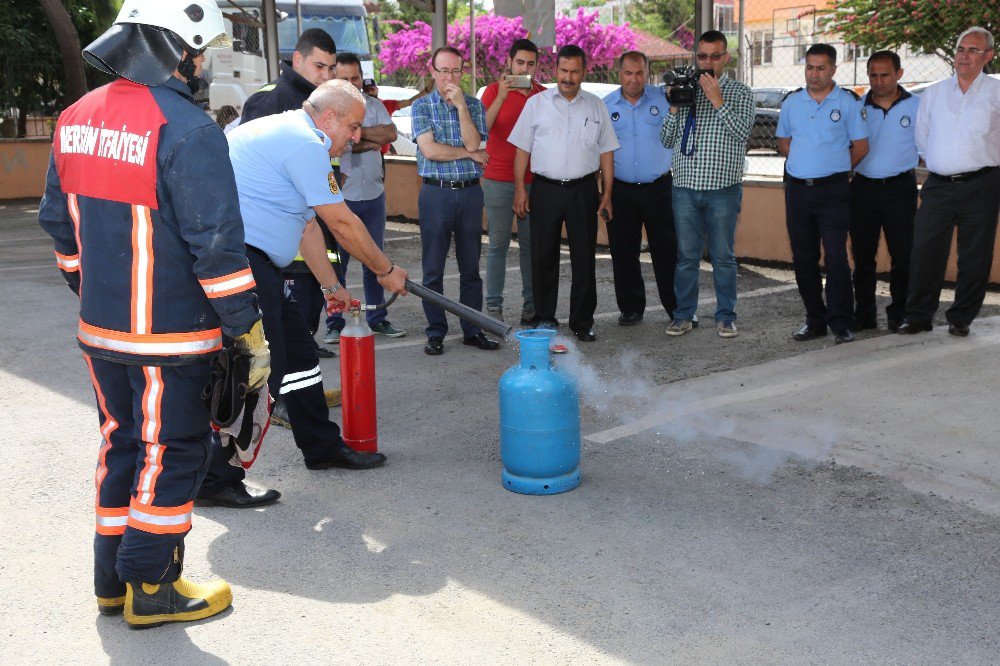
(349, 59)
(629, 55)
(314, 38)
(714, 37)
(572, 51)
(522, 45)
(886, 55)
(444, 49)
(823, 49)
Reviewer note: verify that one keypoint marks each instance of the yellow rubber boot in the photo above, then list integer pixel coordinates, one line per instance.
(110, 605)
(150, 604)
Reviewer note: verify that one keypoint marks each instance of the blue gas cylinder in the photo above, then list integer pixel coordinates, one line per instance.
(539, 421)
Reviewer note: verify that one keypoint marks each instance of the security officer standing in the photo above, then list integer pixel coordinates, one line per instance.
(286, 184)
(821, 132)
(641, 194)
(884, 190)
(566, 134)
(141, 202)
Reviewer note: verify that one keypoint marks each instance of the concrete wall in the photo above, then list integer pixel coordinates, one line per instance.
(23, 163)
(760, 235)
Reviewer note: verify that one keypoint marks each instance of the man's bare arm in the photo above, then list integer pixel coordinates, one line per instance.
(380, 134)
(784, 145)
(351, 234)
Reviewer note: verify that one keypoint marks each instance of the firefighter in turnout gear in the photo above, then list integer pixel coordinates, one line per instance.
(141, 202)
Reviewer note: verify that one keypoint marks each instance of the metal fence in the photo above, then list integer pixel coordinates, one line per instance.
(30, 95)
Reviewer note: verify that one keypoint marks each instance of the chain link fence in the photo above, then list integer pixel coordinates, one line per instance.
(30, 95)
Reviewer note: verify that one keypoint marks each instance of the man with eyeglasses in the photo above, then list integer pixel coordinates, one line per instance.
(448, 127)
(821, 132)
(709, 142)
(958, 135)
(566, 134)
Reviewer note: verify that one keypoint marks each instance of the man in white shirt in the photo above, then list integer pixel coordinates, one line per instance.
(958, 135)
(567, 135)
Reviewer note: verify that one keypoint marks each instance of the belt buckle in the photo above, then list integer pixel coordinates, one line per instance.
(956, 178)
(564, 183)
(810, 181)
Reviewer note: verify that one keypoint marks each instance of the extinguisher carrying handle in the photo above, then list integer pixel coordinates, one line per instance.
(483, 321)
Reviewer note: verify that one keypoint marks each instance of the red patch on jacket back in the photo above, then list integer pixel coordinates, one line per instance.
(105, 144)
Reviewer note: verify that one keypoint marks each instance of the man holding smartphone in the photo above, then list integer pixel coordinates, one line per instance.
(504, 101)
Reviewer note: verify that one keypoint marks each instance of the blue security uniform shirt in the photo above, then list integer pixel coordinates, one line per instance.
(821, 133)
(282, 167)
(892, 148)
(641, 158)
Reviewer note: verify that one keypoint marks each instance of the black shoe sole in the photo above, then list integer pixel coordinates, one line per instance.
(210, 501)
(328, 465)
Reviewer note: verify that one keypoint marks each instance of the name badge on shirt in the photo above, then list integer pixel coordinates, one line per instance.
(835, 115)
(905, 121)
(615, 116)
(653, 110)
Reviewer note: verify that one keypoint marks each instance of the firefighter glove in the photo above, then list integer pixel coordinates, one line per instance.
(254, 345)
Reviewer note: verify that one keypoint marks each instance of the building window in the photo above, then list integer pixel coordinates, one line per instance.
(762, 46)
(854, 52)
(724, 18)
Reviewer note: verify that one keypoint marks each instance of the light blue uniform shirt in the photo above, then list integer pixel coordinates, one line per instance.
(892, 147)
(821, 133)
(282, 167)
(641, 158)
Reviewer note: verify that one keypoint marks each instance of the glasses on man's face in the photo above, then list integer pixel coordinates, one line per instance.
(450, 72)
(961, 50)
(714, 57)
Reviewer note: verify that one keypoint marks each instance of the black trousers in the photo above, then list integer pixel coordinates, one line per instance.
(971, 207)
(576, 205)
(875, 208)
(295, 375)
(816, 216)
(636, 206)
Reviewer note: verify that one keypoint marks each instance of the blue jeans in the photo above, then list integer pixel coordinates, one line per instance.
(445, 213)
(372, 214)
(498, 197)
(698, 213)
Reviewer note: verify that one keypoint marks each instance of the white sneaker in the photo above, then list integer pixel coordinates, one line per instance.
(679, 327)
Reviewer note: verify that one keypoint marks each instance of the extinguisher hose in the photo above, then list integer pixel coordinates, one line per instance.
(483, 321)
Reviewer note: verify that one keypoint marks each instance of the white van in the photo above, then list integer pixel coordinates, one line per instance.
(238, 72)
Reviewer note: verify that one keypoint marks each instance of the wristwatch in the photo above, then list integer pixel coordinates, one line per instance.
(330, 291)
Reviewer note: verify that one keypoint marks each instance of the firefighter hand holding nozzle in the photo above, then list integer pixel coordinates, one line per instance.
(254, 345)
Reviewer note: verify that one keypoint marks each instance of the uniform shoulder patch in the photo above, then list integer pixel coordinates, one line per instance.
(334, 188)
(853, 94)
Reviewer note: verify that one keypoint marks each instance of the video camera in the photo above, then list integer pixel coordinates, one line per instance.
(681, 83)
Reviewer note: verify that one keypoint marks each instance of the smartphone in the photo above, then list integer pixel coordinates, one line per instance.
(604, 214)
(519, 81)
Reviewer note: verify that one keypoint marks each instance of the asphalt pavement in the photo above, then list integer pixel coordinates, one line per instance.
(751, 500)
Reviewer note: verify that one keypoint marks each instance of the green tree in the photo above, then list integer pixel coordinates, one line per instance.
(663, 18)
(929, 25)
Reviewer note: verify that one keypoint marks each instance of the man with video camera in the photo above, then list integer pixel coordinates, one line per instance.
(710, 119)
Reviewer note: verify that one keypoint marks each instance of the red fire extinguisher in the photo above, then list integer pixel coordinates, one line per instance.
(357, 382)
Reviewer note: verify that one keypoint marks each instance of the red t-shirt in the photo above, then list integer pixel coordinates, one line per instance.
(501, 151)
(392, 106)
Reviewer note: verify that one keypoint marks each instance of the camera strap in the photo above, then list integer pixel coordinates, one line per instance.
(687, 139)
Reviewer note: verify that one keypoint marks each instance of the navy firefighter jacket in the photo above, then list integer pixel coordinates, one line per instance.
(141, 202)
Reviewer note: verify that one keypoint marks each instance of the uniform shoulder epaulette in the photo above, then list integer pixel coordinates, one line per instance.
(856, 95)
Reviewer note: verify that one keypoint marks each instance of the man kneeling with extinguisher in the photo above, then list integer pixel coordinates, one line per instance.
(284, 180)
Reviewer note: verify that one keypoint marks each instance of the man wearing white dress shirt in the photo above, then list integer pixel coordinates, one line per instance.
(567, 135)
(958, 135)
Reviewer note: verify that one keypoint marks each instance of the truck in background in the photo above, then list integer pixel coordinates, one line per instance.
(236, 73)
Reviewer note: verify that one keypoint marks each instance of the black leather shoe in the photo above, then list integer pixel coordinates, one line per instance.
(961, 330)
(908, 327)
(480, 340)
(547, 323)
(629, 319)
(893, 325)
(586, 336)
(806, 333)
(864, 323)
(323, 352)
(344, 456)
(238, 497)
(434, 346)
(843, 336)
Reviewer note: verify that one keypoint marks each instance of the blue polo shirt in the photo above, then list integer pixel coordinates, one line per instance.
(892, 148)
(641, 157)
(821, 133)
(282, 167)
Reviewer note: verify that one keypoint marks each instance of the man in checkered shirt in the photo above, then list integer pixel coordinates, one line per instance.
(709, 141)
(449, 126)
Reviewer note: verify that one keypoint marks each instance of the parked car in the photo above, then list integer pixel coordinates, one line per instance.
(921, 87)
(765, 122)
(403, 121)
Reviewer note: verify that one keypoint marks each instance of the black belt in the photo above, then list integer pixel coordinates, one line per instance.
(832, 178)
(451, 184)
(883, 181)
(260, 253)
(661, 179)
(962, 177)
(565, 183)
